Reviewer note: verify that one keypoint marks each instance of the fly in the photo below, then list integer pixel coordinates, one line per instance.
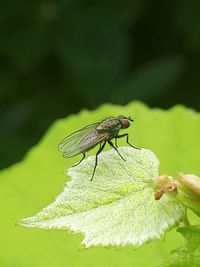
(91, 135)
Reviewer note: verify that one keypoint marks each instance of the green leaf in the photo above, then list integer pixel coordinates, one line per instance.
(189, 254)
(32, 184)
(118, 207)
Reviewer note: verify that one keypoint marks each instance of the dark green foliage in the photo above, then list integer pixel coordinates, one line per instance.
(57, 57)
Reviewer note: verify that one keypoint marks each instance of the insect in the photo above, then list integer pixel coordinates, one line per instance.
(91, 135)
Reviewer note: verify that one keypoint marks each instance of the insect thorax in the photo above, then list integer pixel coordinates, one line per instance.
(110, 127)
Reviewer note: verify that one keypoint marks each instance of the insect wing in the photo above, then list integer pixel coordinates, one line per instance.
(80, 141)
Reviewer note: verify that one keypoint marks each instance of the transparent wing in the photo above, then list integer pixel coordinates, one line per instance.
(80, 141)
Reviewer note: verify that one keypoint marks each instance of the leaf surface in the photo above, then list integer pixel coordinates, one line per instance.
(27, 187)
(118, 207)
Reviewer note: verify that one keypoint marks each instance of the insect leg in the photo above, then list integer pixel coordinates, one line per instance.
(112, 145)
(127, 141)
(96, 158)
(79, 161)
(116, 142)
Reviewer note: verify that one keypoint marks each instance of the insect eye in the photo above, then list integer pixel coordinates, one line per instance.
(125, 123)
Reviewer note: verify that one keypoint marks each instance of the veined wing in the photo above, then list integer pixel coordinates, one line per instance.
(80, 141)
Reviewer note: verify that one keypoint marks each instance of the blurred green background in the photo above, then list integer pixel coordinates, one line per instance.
(58, 57)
